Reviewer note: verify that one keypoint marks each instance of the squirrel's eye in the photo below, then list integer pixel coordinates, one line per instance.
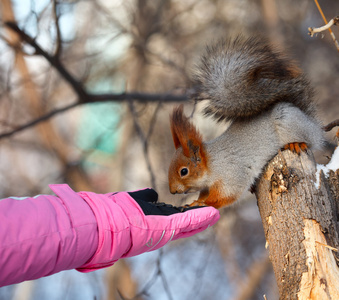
(183, 172)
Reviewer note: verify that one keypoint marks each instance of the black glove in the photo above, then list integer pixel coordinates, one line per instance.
(147, 200)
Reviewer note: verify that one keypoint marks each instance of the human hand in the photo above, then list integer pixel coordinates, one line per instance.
(138, 224)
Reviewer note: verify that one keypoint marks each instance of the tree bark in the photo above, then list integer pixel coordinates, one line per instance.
(299, 215)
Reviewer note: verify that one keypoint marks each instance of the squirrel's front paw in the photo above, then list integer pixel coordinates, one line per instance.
(296, 147)
(196, 203)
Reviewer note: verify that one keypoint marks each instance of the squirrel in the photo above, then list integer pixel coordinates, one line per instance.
(269, 102)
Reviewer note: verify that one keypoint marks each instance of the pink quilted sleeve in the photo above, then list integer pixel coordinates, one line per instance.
(43, 235)
(46, 234)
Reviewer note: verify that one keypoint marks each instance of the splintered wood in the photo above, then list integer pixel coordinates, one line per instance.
(300, 223)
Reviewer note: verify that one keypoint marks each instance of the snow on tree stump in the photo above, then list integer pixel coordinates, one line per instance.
(300, 219)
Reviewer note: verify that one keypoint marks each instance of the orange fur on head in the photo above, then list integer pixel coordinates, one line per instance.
(190, 155)
(184, 132)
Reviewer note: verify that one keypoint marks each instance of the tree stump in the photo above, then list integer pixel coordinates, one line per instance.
(299, 215)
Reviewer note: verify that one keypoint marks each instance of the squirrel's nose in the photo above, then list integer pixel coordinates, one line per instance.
(173, 190)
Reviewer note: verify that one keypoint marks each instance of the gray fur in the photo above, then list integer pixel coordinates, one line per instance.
(244, 77)
(269, 101)
(238, 156)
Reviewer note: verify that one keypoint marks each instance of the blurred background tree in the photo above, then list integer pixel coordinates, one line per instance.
(86, 88)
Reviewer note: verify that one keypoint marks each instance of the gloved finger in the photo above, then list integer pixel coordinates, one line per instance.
(194, 220)
(185, 225)
(197, 220)
(147, 200)
(154, 232)
(145, 195)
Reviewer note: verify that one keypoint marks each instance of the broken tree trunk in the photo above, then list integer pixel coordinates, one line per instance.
(299, 215)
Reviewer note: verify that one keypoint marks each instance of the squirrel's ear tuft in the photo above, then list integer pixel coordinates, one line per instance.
(184, 132)
(174, 128)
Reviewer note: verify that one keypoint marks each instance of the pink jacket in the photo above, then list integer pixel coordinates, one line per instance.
(46, 234)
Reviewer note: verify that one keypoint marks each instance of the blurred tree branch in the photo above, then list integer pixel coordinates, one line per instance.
(47, 134)
(84, 97)
(58, 31)
(50, 137)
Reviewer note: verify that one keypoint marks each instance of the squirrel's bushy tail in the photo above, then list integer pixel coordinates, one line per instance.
(243, 77)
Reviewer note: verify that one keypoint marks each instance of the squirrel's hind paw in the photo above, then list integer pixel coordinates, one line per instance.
(296, 147)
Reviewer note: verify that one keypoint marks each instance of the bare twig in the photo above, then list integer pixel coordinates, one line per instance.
(143, 97)
(151, 282)
(83, 96)
(144, 139)
(58, 31)
(329, 28)
(313, 30)
(153, 120)
(53, 60)
(331, 125)
(38, 120)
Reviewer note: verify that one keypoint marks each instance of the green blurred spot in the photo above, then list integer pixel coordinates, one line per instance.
(98, 129)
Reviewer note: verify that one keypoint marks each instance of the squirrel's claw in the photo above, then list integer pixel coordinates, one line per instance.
(296, 147)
